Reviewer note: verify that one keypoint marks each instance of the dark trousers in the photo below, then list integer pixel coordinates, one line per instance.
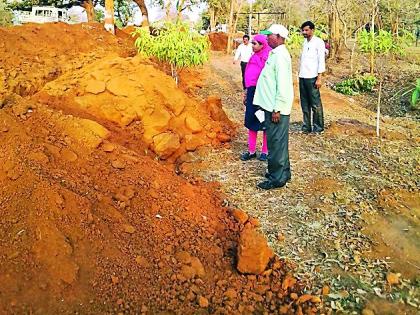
(310, 100)
(278, 148)
(243, 66)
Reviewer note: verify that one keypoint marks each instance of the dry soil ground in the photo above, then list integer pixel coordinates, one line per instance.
(349, 218)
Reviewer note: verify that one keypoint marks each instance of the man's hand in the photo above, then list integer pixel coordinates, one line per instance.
(275, 117)
(318, 83)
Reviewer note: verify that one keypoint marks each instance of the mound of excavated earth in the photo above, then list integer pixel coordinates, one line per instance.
(132, 92)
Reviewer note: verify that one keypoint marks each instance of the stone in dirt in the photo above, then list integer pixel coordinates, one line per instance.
(253, 252)
(165, 144)
(108, 147)
(183, 257)
(95, 87)
(393, 278)
(197, 266)
(231, 294)
(203, 302)
(223, 137)
(192, 124)
(119, 164)
(240, 216)
(192, 142)
(127, 228)
(68, 155)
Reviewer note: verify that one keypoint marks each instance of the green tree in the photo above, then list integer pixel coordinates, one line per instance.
(174, 44)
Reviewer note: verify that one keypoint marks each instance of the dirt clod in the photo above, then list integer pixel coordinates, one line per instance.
(253, 252)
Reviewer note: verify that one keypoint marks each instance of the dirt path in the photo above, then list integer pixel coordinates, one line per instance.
(333, 219)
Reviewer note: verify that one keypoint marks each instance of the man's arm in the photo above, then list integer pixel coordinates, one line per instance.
(321, 63)
(282, 82)
(237, 54)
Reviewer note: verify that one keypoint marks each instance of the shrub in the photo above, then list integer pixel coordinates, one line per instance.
(295, 41)
(356, 85)
(175, 44)
(415, 96)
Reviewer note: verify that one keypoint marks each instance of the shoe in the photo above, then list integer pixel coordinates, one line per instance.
(248, 156)
(305, 130)
(267, 175)
(263, 157)
(267, 184)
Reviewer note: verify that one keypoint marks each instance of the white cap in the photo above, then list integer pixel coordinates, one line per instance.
(278, 30)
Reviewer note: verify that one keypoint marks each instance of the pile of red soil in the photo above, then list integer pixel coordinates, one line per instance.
(32, 55)
(218, 41)
(91, 225)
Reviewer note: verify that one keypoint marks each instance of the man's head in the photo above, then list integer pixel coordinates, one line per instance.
(276, 35)
(308, 29)
(245, 38)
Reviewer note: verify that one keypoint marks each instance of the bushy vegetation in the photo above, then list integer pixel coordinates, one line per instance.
(384, 42)
(175, 44)
(356, 85)
(415, 96)
(295, 41)
(6, 15)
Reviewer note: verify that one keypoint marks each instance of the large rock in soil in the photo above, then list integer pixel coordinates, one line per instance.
(253, 252)
(165, 144)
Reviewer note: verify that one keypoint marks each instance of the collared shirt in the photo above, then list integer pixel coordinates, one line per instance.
(274, 90)
(244, 52)
(312, 58)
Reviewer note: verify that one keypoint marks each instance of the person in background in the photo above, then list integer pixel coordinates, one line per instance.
(252, 72)
(327, 48)
(274, 94)
(243, 54)
(312, 65)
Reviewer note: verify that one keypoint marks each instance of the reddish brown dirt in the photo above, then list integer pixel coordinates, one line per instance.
(218, 41)
(90, 222)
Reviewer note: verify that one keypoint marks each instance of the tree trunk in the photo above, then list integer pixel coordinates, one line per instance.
(335, 30)
(372, 33)
(109, 16)
(179, 9)
(168, 10)
(144, 12)
(212, 19)
(378, 110)
(235, 24)
(88, 6)
(230, 30)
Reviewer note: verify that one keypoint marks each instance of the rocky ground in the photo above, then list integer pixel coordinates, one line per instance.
(349, 218)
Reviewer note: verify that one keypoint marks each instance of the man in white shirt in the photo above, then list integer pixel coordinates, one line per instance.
(274, 94)
(243, 53)
(312, 65)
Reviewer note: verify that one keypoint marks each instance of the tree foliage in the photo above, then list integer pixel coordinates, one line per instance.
(384, 42)
(6, 15)
(295, 41)
(179, 5)
(175, 44)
